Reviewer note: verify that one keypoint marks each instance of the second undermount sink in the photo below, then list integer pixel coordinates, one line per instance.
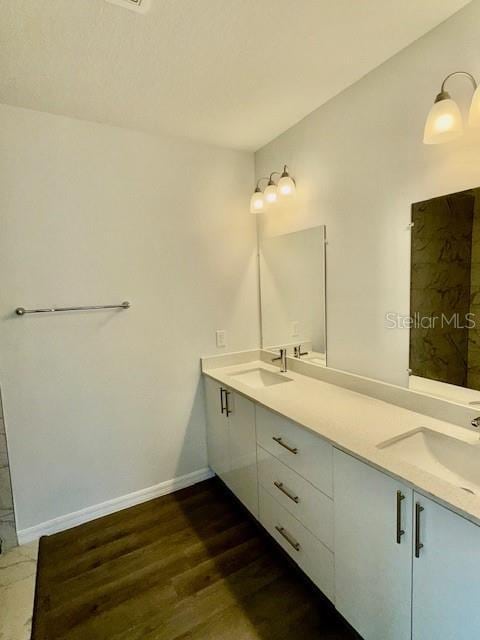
(453, 460)
(259, 378)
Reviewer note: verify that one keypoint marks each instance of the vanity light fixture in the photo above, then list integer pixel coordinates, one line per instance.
(444, 122)
(271, 193)
(257, 201)
(286, 184)
(285, 188)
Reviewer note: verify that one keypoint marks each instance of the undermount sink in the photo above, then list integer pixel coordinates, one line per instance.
(448, 458)
(259, 378)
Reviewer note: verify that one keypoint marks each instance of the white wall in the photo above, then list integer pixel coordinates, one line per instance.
(359, 163)
(102, 404)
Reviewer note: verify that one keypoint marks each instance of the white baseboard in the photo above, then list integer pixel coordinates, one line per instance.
(110, 506)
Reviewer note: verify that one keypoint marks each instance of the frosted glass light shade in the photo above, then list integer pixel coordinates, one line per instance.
(271, 194)
(444, 122)
(286, 187)
(257, 203)
(474, 117)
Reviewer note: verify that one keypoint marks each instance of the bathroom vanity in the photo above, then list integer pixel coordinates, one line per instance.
(393, 542)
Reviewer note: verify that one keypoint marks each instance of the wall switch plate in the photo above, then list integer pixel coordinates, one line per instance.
(295, 328)
(140, 6)
(221, 338)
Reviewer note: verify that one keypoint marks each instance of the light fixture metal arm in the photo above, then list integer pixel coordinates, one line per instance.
(465, 74)
(257, 188)
(274, 173)
(270, 180)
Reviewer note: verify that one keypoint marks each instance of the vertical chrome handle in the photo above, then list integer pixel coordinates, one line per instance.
(418, 544)
(293, 543)
(227, 404)
(400, 531)
(222, 406)
(279, 440)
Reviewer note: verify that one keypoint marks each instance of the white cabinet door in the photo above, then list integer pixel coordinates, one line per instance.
(242, 475)
(217, 429)
(446, 576)
(232, 442)
(373, 568)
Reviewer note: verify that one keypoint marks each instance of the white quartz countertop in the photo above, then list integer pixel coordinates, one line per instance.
(356, 424)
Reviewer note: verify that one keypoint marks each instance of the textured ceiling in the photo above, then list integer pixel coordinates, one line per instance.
(231, 72)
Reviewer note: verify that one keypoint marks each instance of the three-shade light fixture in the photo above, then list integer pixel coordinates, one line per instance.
(445, 122)
(274, 192)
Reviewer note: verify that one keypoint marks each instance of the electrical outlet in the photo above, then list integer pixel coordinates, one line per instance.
(295, 328)
(221, 338)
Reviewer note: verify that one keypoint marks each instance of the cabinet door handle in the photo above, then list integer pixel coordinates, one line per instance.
(400, 531)
(293, 450)
(418, 544)
(281, 488)
(227, 404)
(291, 541)
(222, 406)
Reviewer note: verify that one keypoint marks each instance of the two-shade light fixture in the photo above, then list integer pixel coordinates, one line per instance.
(445, 122)
(274, 192)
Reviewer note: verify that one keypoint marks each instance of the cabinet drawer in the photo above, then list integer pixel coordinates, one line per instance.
(304, 452)
(309, 505)
(309, 553)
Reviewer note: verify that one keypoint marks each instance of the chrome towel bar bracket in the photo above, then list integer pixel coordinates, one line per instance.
(20, 311)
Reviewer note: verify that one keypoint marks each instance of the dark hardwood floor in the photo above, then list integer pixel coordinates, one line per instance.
(189, 566)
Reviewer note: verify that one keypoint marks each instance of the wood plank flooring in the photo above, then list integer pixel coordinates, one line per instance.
(189, 566)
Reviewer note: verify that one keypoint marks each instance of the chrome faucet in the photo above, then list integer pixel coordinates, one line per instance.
(283, 358)
(476, 423)
(298, 353)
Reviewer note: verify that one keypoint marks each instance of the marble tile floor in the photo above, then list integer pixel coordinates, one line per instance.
(8, 536)
(17, 586)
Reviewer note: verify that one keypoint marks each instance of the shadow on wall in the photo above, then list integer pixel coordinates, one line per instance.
(195, 434)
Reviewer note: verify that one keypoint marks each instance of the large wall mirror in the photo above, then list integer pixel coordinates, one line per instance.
(445, 296)
(292, 287)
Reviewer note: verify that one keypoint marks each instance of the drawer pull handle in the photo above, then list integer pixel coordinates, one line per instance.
(281, 488)
(293, 543)
(418, 544)
(400, 531)
(293, 450)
